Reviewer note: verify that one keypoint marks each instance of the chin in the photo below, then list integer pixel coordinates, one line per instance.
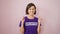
(31, 14)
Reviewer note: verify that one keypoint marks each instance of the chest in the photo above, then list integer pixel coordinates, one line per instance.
(31, 23)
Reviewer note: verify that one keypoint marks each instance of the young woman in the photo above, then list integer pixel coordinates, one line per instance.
(30, 24)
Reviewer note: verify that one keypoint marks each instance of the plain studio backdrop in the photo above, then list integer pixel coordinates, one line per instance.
(11, 12)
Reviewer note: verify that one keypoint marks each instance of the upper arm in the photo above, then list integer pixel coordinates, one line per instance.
(39, 21)
(21, 22)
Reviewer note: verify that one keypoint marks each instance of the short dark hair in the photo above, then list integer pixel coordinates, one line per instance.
(28, 6)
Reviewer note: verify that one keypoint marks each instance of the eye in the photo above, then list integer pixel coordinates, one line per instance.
(33, 9)
(29, 8)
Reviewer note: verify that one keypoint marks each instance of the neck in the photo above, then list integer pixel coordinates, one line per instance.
(31, 16)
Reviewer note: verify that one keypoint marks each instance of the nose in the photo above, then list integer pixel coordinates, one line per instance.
(32, 10)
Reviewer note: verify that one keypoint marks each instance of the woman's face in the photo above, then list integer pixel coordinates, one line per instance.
(31, 10)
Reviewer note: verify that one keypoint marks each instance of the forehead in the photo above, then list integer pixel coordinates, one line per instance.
(32, 7)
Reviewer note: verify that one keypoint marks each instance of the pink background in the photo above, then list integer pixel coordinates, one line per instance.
(11, 12)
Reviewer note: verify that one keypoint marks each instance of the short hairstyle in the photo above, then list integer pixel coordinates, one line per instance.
(30, 5)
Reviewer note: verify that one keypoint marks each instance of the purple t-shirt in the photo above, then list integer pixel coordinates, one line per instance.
(30, 25)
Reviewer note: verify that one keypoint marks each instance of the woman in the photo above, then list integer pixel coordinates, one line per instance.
(30, 24)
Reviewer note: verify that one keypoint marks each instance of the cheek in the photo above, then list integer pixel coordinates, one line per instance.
(33, 11)
(29, 11)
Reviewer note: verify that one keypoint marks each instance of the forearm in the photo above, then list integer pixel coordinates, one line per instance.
(39, 29)
(21, 30)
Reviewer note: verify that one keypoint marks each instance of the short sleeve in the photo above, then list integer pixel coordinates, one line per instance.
(20, 23)
(40, 24)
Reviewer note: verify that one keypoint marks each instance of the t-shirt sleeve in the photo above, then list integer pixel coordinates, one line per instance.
(40, 24)
(20, 23)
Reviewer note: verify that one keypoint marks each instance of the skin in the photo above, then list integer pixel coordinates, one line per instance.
(39, 29)
(22, 28)
(31, 12)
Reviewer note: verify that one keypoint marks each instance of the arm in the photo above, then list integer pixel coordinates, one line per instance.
(39, 28)
(22, 27)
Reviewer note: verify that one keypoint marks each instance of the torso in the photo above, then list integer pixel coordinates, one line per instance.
(30, 25)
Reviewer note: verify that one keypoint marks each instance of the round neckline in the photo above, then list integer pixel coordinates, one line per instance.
(29, 18)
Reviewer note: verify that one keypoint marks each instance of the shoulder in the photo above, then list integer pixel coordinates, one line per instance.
(23, 17)
(36, 17)
(39, 17)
